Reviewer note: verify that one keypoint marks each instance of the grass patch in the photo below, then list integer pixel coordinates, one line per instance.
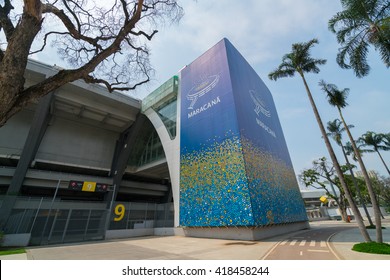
(372, 247)
(11, 251)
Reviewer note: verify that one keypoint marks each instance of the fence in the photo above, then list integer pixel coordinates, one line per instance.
(131, 215)
(56, 221)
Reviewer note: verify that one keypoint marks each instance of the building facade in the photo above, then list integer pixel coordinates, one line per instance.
(202, 155)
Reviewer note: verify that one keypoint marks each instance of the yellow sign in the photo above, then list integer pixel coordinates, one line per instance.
(89, 187)
(120, 212)
(323, 199)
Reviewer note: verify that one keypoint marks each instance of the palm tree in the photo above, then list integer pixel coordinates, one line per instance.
(299, 61)
(336, 129)
(338, 99)
(350, 152)
(375, 141)
(362, 23)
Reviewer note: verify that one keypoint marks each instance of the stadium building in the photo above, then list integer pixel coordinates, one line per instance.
(203, 155)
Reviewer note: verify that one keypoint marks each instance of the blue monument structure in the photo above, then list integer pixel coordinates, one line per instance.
(235, 169)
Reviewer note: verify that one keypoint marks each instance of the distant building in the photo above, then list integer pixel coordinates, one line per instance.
(318, 210)
(312, 198)
(371, 173)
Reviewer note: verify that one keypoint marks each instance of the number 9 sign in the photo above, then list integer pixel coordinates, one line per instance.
(120, 212)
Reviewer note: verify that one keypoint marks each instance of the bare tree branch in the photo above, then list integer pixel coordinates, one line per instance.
(149, 37)
(104, 44)
(5, 21)
(47, 8)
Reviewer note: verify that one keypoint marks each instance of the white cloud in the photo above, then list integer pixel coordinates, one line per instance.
(255, 27)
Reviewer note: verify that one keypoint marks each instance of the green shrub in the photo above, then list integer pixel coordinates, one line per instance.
(372, 247)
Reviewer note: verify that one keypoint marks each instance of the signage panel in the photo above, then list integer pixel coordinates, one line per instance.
(213, 186)
(88, 186)
(235, 169)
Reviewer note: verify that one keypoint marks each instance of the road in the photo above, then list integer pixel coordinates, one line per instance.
(312, 244)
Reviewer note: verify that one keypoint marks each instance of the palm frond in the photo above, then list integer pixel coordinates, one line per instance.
(384, 51)
(386, 139)
(358, 58)
(281, 73)
(374, 140)
(335, 129)
(342, 58)
(311, 66)
(336, 97)
(381, 10)
(361, 23)
(298, 60)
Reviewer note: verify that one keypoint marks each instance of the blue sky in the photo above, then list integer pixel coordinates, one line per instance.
(263, 32)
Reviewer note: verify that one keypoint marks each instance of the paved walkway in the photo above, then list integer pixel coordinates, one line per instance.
(187, 248)
(343, 242)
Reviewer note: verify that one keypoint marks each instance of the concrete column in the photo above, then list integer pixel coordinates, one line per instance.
(37, 131)
(123, 150)
(172, 154)
(126, 144)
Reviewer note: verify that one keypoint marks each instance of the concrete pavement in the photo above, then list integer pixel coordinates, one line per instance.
(344, 241)
(187, 248)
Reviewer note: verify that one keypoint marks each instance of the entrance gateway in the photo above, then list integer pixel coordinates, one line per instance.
(203, 155)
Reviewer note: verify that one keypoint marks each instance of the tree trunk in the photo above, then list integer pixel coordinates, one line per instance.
(384, 163)
(375, 206)
(357, 186)
(14, 62)
(347, 193)
(343, 209)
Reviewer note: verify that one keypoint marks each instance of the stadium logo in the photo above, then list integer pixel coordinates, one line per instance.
(260, 105)
(203, 87)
